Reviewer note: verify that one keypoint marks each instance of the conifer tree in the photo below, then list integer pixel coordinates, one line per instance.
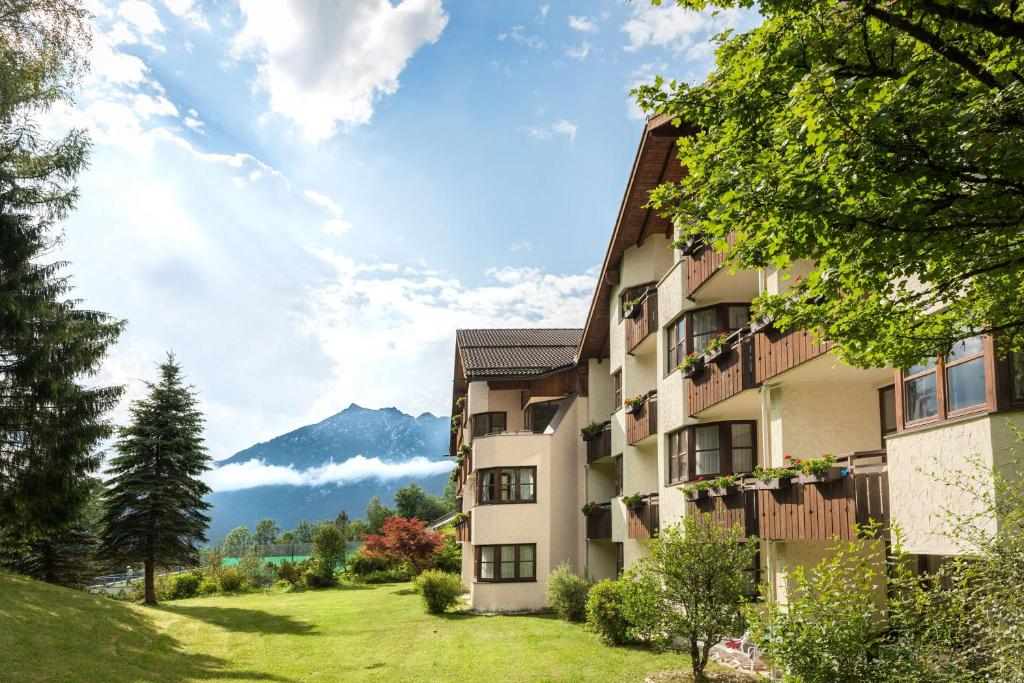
(50, 424)
(154, 508)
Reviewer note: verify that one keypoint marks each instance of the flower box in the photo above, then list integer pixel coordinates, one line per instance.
(695, 495)
(722, 491)
(831, 474)
(636, 505)
(693, 371)
(759, 325)
(635, 408)
(717, 353)
(633, 312)
(691, 246)
(776, 484)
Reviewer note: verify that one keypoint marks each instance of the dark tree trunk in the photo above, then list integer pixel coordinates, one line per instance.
(150, 598)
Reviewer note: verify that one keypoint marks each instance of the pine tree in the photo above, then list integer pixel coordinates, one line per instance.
(154, 499)
(50, 424)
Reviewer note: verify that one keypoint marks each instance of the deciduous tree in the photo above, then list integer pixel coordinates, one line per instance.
(266, 532)
(405, 540)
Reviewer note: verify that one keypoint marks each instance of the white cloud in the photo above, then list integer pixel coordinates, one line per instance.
(678, 28)
(519, 35)
(323, 200)
(323, 63)
(578, 53)
(583, 24)
(235, 476)
(560, 127)
(543, 12)
(141, 15)
(193, 122)
(187, 10)
(335, 226)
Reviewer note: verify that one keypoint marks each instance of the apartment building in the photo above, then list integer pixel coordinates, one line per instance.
(752, 395)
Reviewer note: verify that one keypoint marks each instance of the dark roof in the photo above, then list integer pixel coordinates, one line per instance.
(520, 352)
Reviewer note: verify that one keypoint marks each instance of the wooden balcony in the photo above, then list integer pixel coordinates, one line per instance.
(724, 377)
(600, 446)
(599, 524)
(643, 424)
(640, 328)
(701, 265)
(644, 522)
(463, 529)
(775, 352)
(807, 512)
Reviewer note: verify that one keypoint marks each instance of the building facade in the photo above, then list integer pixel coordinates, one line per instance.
(749, 395)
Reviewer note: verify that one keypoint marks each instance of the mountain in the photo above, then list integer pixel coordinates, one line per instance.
(387, 434)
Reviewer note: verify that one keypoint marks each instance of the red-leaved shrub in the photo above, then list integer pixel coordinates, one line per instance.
(405, 540)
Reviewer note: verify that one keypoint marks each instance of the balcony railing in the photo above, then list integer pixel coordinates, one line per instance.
(725, 376)
(644, 422)
(463, 529)
(644, 324)
(599, 524)
(644, 521)
(701, 263)
(806, 511)
(600, 445)
(776, 352)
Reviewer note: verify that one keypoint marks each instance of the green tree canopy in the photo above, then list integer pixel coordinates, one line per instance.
(265, 533)
(880, 140)
(154, 500)
(414, 503)
(376, 514)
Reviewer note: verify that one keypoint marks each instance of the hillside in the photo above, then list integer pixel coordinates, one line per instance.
(387, 434)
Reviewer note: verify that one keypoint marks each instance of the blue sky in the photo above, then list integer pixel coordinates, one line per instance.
(304, 199)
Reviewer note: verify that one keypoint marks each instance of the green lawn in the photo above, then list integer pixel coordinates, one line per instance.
(375, 633)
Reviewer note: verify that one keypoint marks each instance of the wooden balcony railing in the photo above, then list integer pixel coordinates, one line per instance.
(724, 377)
(645, 324)
(701, 264)
(599, 524)
(645, 521)
(463, 529)
(776, 352)
(600, 446)
(813, 511)
(644, 422)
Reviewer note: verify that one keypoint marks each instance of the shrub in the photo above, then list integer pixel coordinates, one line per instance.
(605, 612)
(255, 572)
(440, 590)
(328, 554)
(209, 585)
(231, 579)
(181, 586)
(567, 593)
(291, 572)
(405, 540)
(363, 563)
(450, 558)
(396, 574)
(314, 577)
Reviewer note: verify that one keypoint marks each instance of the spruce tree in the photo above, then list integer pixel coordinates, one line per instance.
(50, 424)
(154, 500)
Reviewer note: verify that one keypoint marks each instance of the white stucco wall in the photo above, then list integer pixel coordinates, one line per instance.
(600, 390)
(780, 558)
(934, 473)
(600, 560)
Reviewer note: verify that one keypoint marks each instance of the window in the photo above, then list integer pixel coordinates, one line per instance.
(919, 392)
(675, 343)
(508, 485)
(965, 375)
(742, 446)
(617, 384)
(618, 474)
(620, 560)
(706, 450)
(887, 407)
(488, 423)
(676, 456)
(708, 323)
(539, 416)
(506, 562)
(1017, 376)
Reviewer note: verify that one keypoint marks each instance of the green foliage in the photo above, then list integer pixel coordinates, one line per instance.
(52, 413)
(292, 572)
(767, 473)
(440, 590)
(154, 500)
(567, 593)
(633, 500)
(716, 483)
(181, 586)
(606, 611)
(266, 532)
(238, 541)
(376, 515)
(691, 586)
(257, 573)
(209, 585)
(450, 557)
(328, 554)
(591, 430)
(399, 573)
(414, 503)
(365, 563)
(881, 141)
(230, 579)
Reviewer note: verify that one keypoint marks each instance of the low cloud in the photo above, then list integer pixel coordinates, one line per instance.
(247, 475)
(583, 24)
(518, 34)
(562, 127)
(682, 30)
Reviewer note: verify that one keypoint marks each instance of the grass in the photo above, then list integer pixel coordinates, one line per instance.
(377, 633)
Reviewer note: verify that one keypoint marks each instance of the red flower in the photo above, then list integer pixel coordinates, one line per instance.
(787, 457)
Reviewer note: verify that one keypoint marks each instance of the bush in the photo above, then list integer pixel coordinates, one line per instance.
(328, 555)
(396, 574)
(567, 593)
(605, 611)
(209, 585)
(181, 586)
(291, 572)
(314, 577)
(440, 590)
(365, 563)
(231, 579)
(256, 572)
(450, 558)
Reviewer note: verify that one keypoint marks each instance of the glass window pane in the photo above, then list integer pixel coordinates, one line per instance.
(706, 447)
(508, 561)
(921, 367)
(526, 484)
(966, 347)
(487, 562)
(888, 410)
(965, 384)
(705, 327)
(506, 484)
(487, 487)
(742, 447)
(919, 397)
(497, 423)
(526, 561)
(738, 317)
(1017, 363)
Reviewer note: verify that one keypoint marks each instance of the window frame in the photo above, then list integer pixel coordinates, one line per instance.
(722, 320)
(517, 485)
(946, 365)
(617, 464)
(529, 416)
(679, 327)
(489, 415)
(725, 450)
(679, 454)
(478, 553)
(881, 411)
(617, 388)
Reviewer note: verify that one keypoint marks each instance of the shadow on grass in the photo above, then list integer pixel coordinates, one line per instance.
(96, 638)
(242, 620)
(405, 591)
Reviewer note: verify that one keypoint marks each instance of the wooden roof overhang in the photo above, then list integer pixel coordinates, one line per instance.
(655, 163)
